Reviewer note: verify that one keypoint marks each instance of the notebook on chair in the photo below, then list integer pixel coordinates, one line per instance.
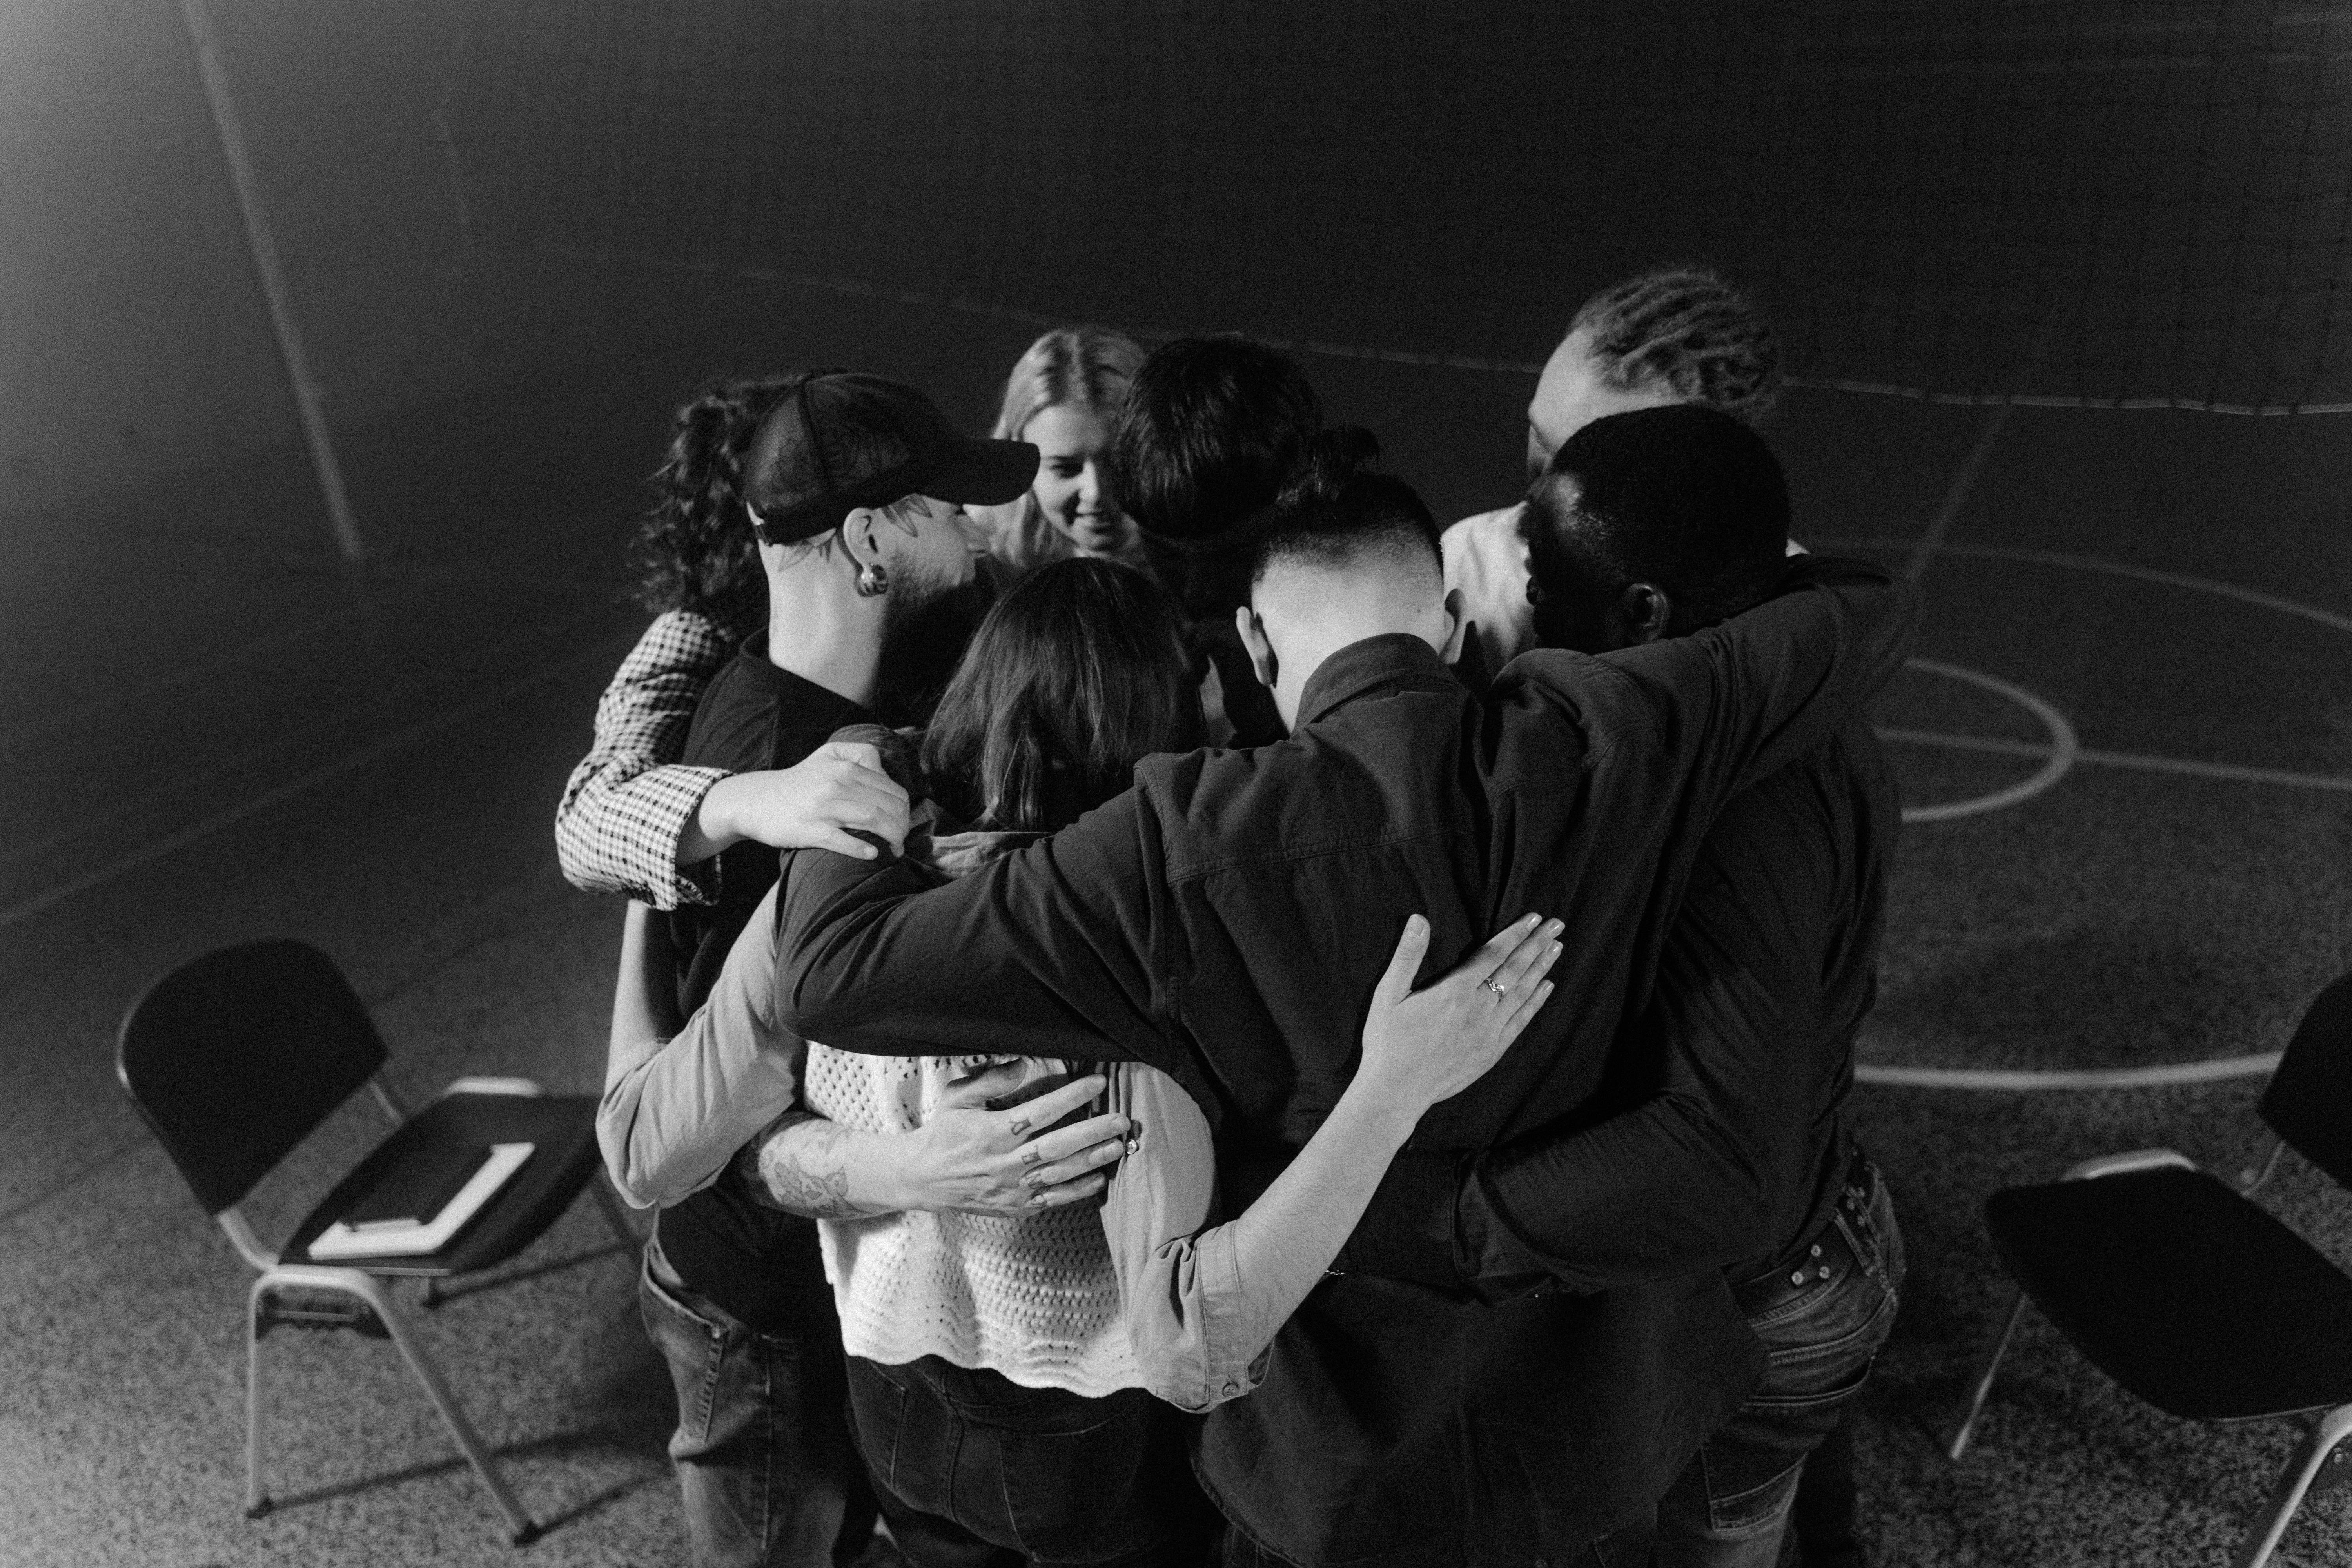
(420, 1207)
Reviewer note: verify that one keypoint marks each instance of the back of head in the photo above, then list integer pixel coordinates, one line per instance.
(1339, 514)
(1208, 435)
(1090, 367)
(1077, 674)
(694, 551)
(1684, 329)
(1681, 497)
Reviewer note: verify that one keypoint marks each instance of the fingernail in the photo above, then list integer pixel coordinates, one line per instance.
(1036, 1199)
(1415, 925)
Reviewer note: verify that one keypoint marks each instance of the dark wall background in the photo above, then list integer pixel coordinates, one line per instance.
(507, 200)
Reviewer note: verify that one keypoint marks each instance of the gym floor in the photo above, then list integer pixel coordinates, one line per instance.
(2139, 626)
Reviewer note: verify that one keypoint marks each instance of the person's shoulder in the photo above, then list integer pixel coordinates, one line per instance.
(1484, 534)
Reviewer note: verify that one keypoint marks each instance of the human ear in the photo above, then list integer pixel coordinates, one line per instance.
(1456, 623)
(1646, 609)
(860, 535)
(1254, 638)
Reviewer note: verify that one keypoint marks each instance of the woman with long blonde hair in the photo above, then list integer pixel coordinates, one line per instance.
(1060, 398)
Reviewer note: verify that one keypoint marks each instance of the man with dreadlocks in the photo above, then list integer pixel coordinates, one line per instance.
(1680, 334)
(1684, 336)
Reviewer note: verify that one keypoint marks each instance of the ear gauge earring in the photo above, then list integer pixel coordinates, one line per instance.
(872, 580)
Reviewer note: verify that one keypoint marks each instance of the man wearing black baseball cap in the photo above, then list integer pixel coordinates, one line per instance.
(856, 488)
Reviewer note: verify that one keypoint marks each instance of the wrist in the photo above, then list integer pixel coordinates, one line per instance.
(1376, 1113)
(716, 820)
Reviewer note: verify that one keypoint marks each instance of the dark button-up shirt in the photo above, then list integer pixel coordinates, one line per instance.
(1228, 919)
(1733, 1154)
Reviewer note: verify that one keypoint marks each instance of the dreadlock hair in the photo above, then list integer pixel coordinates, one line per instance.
(1077, 674)
(1336, 511)
(1684, 327)
(694, 551)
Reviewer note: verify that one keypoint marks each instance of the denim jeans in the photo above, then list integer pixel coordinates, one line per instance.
(762, 1448)
(975, 1470)
(1729, 1507)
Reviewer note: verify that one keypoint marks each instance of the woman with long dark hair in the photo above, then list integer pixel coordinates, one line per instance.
(1002, 1370)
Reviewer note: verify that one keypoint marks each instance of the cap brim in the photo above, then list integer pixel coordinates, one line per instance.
(983, 473)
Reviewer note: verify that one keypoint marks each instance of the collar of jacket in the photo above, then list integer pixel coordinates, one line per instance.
(1385, 663)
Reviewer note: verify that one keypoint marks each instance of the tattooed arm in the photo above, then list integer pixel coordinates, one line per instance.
(801, 1164)
(964, 1157)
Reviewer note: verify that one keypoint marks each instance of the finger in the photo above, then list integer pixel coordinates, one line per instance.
(860, 753)
(1108, 1151)
(1396, 981)
(974, 1090)
(842, 843)
(885, 819)
(1528, 960)
(1070, 1192)
(1499, 946)
(1036, 1115)
(1063, 1142)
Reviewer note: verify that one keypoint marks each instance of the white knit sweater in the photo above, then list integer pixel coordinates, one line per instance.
(1035, 1298)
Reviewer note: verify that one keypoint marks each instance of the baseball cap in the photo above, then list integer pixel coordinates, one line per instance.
(839, 441)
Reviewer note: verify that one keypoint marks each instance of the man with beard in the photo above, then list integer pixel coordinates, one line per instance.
(855, 489)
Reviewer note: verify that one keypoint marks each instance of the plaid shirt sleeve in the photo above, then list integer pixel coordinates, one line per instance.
(626, 806)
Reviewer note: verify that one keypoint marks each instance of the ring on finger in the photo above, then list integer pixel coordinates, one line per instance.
(1496, 986)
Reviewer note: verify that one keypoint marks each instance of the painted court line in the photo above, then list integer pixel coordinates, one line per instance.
(2183, 765)
(2162, 1076)
(995, 312)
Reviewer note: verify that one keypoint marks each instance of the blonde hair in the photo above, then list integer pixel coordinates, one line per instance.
(1088, 366)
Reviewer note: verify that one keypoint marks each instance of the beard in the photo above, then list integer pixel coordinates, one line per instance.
(924, 633)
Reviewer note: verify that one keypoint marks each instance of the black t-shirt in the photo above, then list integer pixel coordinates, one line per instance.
(759, 1264)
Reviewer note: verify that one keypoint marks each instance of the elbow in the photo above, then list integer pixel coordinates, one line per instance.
(629, 1178)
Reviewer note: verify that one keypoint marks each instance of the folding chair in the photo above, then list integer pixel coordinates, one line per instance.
(2177, 1286)
(235, 1057)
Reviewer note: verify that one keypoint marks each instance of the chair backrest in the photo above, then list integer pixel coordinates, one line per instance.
(235, 1057)
(2309, 1100)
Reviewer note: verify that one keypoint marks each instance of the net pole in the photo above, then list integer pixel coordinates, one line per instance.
(258, 240)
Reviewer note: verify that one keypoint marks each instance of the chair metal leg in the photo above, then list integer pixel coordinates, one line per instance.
(520, 1527)
(2319, 1446)
(257, 1497)
(1984, 1381)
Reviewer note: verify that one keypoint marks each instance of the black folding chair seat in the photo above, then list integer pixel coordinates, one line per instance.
(2192, 1297)
(561, 1130)
(233, 1059)
(2175, 1283)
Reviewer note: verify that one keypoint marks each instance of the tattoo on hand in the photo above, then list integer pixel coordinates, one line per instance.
(798, 1166)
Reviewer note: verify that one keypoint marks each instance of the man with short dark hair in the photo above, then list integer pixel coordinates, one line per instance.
(1209, 432)
(1726, 1145)
(1226, 921)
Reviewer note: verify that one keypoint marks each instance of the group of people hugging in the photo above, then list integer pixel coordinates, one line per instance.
(1174, 1013)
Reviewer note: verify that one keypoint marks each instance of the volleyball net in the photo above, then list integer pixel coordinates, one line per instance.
(2075, 202)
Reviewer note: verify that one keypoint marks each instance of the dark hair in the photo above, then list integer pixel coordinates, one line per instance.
(1077, 674)
(1682, 497)
(694, 551)
(1208, 432)
(1684, 327)
(1334, 511)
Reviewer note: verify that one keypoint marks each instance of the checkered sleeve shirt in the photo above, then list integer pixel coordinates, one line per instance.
(627, 803)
